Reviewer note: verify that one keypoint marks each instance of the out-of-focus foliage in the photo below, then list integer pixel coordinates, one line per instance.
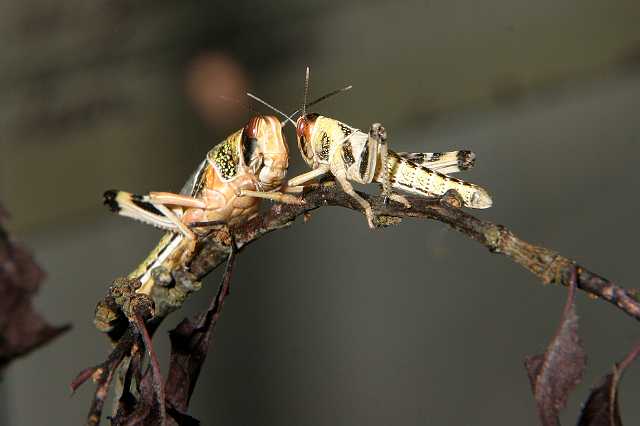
(22, 329)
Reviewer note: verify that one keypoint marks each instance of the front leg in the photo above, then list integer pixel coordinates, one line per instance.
(300, 188)
(276, 196)
(294, 185)
(308, 176)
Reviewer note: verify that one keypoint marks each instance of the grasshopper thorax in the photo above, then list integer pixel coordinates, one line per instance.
(305, 126)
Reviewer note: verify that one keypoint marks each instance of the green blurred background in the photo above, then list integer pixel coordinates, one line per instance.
(329, 322)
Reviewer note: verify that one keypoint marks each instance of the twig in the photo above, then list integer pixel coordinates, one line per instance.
(213, 250)
(546, 264)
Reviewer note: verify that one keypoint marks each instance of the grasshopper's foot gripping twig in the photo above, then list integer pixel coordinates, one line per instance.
(399, 199)
(371, 219)
(346, 187)
(452, 198)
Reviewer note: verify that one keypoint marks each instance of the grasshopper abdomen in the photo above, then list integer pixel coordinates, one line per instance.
(410, 177)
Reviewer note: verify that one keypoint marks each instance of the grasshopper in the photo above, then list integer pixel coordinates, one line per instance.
(254, 158)
(330, 146)
(225, 189)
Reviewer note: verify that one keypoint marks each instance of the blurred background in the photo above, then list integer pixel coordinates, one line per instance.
(330, 323)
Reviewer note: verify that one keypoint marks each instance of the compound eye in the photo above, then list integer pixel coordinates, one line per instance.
(251, 129)
(304, 130)
(305, 125)
(301, 126)
(249, 139)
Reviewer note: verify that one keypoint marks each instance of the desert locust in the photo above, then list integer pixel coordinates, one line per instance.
(331, 146)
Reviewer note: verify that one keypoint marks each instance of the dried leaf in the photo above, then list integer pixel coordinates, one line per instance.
(148, 410)
(181, 418)
(601, 408)
(151, 388)
(103, 375)
(556, 372)
(189, 346)
(22, 329)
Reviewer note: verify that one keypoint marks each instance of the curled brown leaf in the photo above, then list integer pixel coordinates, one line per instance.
(601, 408)
(189, 345)
(556, 372)
(22, 329)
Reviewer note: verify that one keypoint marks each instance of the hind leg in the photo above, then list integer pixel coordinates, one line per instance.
(378, 134)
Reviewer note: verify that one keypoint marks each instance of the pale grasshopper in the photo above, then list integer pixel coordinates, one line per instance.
(330, 146)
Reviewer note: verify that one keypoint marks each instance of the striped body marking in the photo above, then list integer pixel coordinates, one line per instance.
(330, 146)
(411, 177)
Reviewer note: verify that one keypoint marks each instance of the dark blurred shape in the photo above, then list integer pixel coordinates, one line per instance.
(560, 369)
(216, 84)
(602, 407)
(631, 57)
(22, 329)
(509, 89)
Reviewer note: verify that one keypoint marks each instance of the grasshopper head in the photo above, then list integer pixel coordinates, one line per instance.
(304, 132)
(265, 150)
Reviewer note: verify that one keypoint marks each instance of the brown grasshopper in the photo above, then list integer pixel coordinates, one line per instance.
(254, 158)
(330, 146)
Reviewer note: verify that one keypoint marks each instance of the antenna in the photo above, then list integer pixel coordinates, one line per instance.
(289, 118)
(306, 92)
(263, 102)
(237, 102)
(330, 94)
(323, 97)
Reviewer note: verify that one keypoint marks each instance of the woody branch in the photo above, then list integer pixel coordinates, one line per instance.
(546, 264)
